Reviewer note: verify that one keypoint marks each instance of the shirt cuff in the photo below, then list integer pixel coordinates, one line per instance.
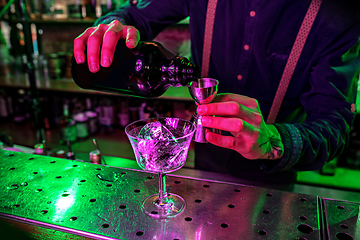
(293, 144)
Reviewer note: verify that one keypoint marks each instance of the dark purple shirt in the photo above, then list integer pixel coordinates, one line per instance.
(316, 115)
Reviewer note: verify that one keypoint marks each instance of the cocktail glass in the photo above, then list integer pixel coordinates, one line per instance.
(161, 146)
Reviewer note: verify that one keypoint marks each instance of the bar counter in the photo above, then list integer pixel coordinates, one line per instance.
(51, 198)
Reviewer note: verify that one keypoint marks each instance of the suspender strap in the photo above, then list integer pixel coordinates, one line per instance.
(293, 58)
(291, 62)
(209, 26)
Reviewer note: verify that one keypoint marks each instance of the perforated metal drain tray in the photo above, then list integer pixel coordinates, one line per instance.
(341, 219)
(51, 198)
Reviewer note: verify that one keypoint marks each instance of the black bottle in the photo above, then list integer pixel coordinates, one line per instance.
(146, 71)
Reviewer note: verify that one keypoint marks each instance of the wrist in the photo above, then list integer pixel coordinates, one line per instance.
(275, 147)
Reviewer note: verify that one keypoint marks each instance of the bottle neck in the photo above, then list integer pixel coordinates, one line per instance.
(179, 71)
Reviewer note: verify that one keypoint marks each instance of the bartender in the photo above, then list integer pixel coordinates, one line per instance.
(251, 43)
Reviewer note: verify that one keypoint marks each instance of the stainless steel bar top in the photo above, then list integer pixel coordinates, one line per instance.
(51, 198)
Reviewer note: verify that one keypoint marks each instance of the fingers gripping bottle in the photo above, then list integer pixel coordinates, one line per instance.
(146, 71)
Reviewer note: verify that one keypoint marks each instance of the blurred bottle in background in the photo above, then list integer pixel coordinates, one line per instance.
(4, 55)
(17, 45)
(22, 106)
(82, 123)
(33, 7)
(47, 9)
(56, 104)
(106, 116)
(102, 7)
(2, 5)
(45, 117)
(67, 68)
(142, 107)
(149, 109)
(5, 115)
(123, 112)
(60, 10)
(133, 110)
(54, 66)
(14, 11)
(89, 10)
(53, 9)
(68, 129)
(75, 9)
(92, 115)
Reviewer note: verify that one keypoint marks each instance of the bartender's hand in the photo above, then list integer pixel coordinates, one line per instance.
(106, 36)
(241, 116)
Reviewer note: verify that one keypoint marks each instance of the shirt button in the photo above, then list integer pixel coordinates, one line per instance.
(252, 14)
(246, 47)
(239, 77)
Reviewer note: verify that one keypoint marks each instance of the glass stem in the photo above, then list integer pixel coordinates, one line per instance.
(163, 196)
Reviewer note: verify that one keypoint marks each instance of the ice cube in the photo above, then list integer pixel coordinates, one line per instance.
(155, 131)
(158, 148)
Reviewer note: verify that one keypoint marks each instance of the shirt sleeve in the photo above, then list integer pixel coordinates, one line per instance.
(150, 17)
(328, 106)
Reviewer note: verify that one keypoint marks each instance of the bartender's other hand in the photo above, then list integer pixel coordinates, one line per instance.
(241, 116)
(106, 36)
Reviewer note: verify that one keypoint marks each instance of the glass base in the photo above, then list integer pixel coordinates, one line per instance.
(174, 207)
